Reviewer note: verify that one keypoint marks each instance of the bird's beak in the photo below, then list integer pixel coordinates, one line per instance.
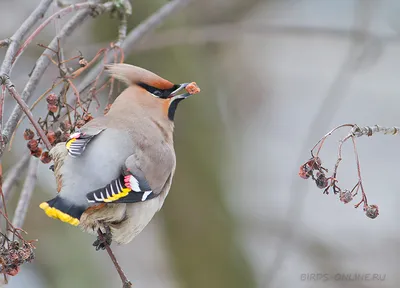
(189, 88)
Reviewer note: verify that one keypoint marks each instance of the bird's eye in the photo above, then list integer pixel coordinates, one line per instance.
(157, 93)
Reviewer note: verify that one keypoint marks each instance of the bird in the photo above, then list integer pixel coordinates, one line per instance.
(114, 173)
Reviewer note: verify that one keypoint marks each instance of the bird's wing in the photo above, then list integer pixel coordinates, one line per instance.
(78, 141)
(130, 187)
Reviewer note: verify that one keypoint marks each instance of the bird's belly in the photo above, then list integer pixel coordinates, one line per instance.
(125, 220)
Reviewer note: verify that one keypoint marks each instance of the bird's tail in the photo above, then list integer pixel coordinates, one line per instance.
(59, 208)
(134, 75)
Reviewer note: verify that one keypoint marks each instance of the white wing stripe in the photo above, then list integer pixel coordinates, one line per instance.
(145, 194)
(134, 184)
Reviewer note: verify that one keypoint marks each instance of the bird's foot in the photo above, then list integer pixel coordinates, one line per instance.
(104, 240)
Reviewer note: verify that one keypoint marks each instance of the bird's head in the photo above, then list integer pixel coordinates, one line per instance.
(168, 93)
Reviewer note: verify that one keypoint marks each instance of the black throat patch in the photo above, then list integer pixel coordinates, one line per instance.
(172, 108)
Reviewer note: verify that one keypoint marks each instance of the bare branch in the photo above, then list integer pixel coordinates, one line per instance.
(26, 193)
(57, 15)
(121, 273)
(19, 35)
(41, 65)
(123, 23)
(13, 175)
(124, 41)
(2, 97)
(11, 89)
(145, 28)
(325, 114)
(315, 165)
(122, 30)
(371, 130)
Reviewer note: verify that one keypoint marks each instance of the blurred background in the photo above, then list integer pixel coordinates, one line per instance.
(275, 75)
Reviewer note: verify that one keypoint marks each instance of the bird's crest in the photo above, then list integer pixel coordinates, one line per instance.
(134, 75)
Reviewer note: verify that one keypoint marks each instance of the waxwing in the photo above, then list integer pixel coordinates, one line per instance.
(116, 171)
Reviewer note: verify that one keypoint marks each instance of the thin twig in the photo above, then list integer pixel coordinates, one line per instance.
(32, 107)
(11, 89)
(123, 23)
(20, 34)
(371, 130)
(145, 28)
(41, 65)
(57, 15)
(2, 97)
(121, 273)
(26, 193)
(325, 114)
(360, 184)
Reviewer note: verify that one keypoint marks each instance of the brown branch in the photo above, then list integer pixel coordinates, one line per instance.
(41, 65)
(57, 15)
(2, 97)
(13, 92)
(121, 273)
(26, 193)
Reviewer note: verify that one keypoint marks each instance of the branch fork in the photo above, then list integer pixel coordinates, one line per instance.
(313, 167)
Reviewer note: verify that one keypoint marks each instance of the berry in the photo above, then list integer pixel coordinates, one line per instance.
(345, 196)
(52, 108)
(29, 134)
(51, 136)
(321, 180)
(52, 99)
(37, 152)
(45, 157)
(372, 211)
(32, 145)
(305, 171)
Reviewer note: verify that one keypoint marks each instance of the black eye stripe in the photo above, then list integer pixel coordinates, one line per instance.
(161, 93)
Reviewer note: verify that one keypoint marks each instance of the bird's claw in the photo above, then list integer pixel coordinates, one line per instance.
(105, 240)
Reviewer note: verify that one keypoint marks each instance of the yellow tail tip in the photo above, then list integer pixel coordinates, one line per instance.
(44, 205)
(57, 214)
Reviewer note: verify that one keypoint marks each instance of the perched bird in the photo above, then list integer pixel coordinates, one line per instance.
(116, 171)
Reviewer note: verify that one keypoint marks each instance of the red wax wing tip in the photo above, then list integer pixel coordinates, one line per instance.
(192, 88)
(127, 182)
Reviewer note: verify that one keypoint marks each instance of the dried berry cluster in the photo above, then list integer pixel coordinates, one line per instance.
(314, 165)
(33, 146)
(313, 169)
(15, 255)
(61, 133)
